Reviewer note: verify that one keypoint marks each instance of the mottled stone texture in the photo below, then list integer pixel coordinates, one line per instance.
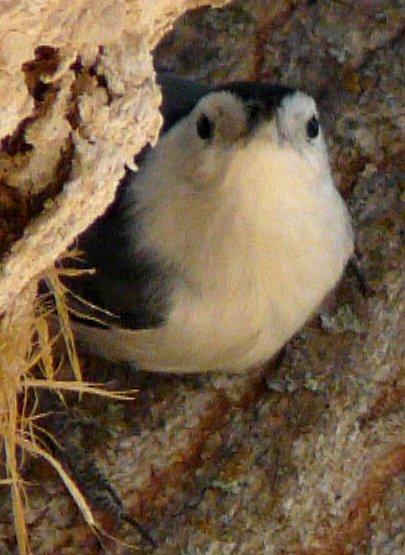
(306, 455)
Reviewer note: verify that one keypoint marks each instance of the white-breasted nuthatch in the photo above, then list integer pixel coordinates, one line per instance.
(225, 241)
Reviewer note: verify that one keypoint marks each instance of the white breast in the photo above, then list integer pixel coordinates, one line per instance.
(272, 248)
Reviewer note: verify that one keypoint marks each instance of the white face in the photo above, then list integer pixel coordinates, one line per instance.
(203, 144)
(298, 121)
(296, 125)
(204, 141)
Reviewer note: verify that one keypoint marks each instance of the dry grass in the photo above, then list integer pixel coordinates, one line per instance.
(27, 364)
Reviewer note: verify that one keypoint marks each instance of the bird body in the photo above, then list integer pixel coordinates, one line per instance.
(239, 231)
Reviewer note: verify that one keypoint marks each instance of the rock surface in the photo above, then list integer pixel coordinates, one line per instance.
(307, 455)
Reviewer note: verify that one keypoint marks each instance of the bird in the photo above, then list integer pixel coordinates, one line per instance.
(224, 242)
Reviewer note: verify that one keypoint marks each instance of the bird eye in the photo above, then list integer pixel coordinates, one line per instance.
(312, 127)
(205, 127)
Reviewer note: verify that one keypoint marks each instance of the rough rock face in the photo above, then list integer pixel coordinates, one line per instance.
(306, 455)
